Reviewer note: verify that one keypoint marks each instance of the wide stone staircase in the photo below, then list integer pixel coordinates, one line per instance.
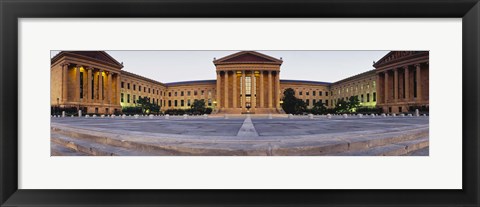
(74, 142)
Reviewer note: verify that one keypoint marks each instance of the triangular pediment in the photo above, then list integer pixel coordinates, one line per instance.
(98, 56)
(247, 57)
(395, 56)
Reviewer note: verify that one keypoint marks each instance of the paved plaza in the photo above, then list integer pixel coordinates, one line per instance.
(252, 135)
(219, 126)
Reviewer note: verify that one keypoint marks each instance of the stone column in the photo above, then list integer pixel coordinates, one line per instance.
(117, 94)
(378, 89)
(234, 88)
(65, 83)
(386, 87)
(262, 104)
(252, 90)
(243, 91)
(419, 82)
(395, 85)
(218, 94)
(89, 85)
(77, 83)
(226, 90)
(109, 88)
(100, 86)
(277, 90)
(270, 104)
(407, 84)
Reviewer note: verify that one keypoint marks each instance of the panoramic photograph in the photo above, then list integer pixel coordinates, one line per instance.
(239, 103)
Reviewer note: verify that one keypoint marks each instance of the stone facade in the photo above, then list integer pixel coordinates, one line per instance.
(403, 80)
(363, 85)
(247, 82)
(86, 79)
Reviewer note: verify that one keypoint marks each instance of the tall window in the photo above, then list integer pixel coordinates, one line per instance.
(188, 93)
(93, 91)
(103, 86)
(128, 84)
(326, 93)
(128, 98)
(374, 96)
(140, 88)
(209, 102)
(188, 102)
(134, 87)
(122, 84)
(81, 84)
(181, 93)
(121, 97)
(313, 94)
(169, 103)
(175, 103)
(248, 86)
(134, 100)
(368, 97)
(361, 98)
(326, 101)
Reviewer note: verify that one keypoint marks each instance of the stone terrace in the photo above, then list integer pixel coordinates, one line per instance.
(241, 135)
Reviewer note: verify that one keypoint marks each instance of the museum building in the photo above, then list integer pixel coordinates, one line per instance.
(246, 81)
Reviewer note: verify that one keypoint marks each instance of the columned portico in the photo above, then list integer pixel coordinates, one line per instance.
(252, 85)
(403, 91)
(81, 82)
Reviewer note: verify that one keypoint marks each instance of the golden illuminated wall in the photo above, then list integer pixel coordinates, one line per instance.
(182, 95)
(75, 83)
(363, 85)
(133, 86)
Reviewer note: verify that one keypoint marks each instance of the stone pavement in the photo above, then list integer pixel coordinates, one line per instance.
(241, 135)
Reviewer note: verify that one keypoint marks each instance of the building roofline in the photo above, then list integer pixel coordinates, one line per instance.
(305, 81)
(142, 77)
(355, 76)
(190, 82)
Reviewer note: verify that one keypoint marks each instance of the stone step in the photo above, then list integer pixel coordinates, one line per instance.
(311, 146)
(97, 149)
(394, 149)
(59, 150)
(90, 137)
(348, 144)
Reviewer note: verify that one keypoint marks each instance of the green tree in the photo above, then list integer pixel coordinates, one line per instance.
(353, 103)
(146, 106)
(319, 108)
(198, 106)
(341, 106)
(300, 106)
(291, 104)
(289, 101)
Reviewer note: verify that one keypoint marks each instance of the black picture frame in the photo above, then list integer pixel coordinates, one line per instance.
(10, 10)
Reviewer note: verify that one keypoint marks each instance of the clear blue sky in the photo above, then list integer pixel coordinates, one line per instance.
(172, 66)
